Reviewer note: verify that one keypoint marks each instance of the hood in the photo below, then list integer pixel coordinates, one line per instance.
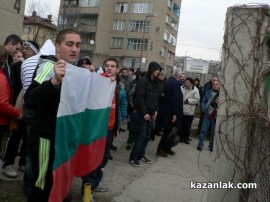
(153, 66)
(48, 48)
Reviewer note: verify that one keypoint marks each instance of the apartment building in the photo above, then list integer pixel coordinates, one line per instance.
(135, 31)
(11, 18)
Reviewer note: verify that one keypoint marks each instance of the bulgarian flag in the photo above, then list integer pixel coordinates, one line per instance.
(81, 127)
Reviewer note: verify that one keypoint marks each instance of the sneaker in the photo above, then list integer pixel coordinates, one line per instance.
(145, 160)
(101, 189)
(9, 171)
(135, 163)
(22, 168)
(199, 148)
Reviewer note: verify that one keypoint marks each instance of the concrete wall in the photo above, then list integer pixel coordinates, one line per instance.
(243, 70)
(11, 22)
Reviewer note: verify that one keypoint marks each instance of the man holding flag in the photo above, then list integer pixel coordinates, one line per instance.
(43, 97)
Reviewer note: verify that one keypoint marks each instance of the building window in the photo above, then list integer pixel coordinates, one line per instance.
(87, 37)
(137, 44)
(172, 40)
(70, 3)
(132, 62)
(121, 8)
(119, 25)
(117, 42)
(163, 52)
(167, 19)
(27, 29)
(166, 35)
(88, 20)
(169, 3)
(89, 3)
(141, 7)
(176, 9)
(139, 25)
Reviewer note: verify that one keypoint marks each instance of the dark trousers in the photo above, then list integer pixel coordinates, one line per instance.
(95, 177)
(132, 127)
(13, 145)
(38, 194)
(27, 178)
(186, 126)
(3, 130)
(141, 139)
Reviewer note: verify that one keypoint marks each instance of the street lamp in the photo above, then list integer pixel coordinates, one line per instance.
(143, 43)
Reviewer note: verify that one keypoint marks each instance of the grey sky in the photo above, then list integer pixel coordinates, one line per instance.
(201, 27)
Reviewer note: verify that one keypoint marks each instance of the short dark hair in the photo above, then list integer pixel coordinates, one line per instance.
(124, 68)
(131, 69)
(14, 39)
(61, 35)
(111, 59)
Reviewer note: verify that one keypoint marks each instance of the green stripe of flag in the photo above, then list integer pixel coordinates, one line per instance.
(92, 123)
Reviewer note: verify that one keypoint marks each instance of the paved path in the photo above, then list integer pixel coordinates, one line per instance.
(165, 180)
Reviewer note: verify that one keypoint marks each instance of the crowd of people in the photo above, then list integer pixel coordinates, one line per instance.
(150, 103)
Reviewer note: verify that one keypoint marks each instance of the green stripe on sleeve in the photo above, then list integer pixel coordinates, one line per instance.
(44, 152)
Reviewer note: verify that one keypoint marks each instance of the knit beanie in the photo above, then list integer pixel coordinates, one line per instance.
(33, 45)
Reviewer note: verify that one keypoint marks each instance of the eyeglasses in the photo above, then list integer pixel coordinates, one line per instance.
(26, 48)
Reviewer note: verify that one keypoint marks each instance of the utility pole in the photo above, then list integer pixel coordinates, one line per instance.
(143, 46)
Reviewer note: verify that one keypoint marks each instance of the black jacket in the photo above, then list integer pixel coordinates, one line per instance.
(147, 95)
(44, 99)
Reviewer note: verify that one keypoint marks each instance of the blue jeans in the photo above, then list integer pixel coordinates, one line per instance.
(141, 139)
(133, 127)
(204, 129)
(95, 176)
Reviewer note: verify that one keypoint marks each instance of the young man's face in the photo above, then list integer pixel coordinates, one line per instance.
(130, 73)
(28, 52)
(13, 48)
(69, 48)
(17, 57)
(110, 68)
(124, 73)
(155, 73)
(183, 77)
(216, 86)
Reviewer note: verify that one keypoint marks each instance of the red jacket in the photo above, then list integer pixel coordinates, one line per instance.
(113, 109)
(7, 111)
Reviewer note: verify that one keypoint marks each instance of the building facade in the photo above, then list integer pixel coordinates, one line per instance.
(38, 29)
(11, 18)
(135, 31)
